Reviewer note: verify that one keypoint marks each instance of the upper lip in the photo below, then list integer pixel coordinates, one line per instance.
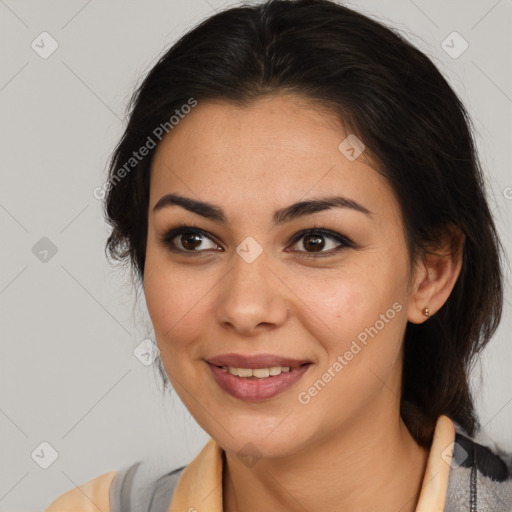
(256, 361)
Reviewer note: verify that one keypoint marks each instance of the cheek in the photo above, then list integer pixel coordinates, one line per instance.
(344, 302)
(359, 320)
(364, 307)
(176, 299)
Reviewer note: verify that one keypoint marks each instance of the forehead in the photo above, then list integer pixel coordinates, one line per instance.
(287, 124)
(276, 150)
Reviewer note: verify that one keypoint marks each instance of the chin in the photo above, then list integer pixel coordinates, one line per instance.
(257, 443)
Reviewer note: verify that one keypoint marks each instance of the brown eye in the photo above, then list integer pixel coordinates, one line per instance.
(191, 241)
(314, 243)
(320, 241)
(185, 239)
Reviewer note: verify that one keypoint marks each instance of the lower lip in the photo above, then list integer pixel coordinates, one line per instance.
(255, 390)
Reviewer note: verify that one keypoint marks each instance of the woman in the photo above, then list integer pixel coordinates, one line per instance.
(298, 191)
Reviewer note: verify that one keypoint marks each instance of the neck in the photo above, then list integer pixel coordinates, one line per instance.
(373, 464)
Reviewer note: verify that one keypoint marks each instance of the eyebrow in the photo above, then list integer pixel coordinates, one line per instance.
(287, 214)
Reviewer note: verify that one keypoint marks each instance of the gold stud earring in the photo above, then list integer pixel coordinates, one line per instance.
(426, 312)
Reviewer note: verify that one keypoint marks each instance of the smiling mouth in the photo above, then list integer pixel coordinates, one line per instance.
(260, 382)
(258, 373)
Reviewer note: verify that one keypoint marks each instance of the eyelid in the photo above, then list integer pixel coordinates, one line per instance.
(180, 229)
(343, 241)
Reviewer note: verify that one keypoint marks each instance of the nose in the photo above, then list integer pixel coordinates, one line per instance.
(251, 299)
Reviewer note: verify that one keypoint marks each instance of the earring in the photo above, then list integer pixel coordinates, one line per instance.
(426, 312)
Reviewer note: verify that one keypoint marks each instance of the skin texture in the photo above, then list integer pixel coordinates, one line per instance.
(347, 449)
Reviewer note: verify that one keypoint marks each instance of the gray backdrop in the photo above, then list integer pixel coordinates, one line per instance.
(77, 396)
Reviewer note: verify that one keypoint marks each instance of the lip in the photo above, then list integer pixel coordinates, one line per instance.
(253, 389)
(256, 361)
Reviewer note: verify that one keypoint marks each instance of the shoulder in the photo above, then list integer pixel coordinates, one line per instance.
(480, 476)
(144, 486)
(87, 497)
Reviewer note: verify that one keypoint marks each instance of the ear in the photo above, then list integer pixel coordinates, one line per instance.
(435, 275)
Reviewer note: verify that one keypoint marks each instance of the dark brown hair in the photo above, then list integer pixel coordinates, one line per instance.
(415, 128)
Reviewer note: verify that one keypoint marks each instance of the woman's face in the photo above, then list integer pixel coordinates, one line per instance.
(254, 281)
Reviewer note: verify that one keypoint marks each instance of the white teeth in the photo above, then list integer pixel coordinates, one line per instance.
(244, 372)
(259, 373)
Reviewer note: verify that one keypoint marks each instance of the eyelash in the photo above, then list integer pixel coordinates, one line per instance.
(182, 229)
